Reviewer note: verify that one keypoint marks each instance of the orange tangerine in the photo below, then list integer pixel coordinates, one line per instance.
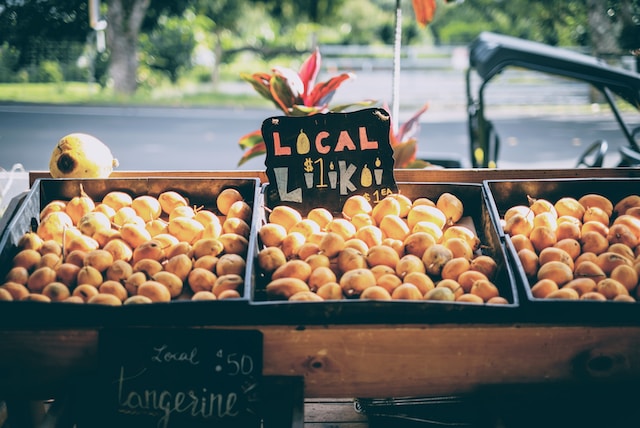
(484, 289)
(393, 226)
(595, 214)
(594, 226)
(546, 219)
(420, 280)
(541, 205)
(555, 254)
(571, 246)
(581, 285)
(454, 268)
(356, 204)
(564, 294)
(543, 288)
(385, 207)
(426, 213)
(557, 271)
(569, 206)
(521, 241)
(529, 262)
(594, 242)
(405, 203)
(567, 230)
(542, 237)
(467, 278)
(417, 242)
(523, 210)
(342, 227)
(321, 216)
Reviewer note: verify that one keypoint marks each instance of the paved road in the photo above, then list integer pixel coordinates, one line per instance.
(206, 139)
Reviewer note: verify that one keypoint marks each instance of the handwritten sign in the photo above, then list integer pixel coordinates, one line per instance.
(322, 160)
(165, 378)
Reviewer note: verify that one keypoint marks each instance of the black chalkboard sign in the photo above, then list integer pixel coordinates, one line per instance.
(322, 160)
(165, 378)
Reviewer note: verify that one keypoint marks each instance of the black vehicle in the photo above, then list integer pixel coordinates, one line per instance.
(490, 54)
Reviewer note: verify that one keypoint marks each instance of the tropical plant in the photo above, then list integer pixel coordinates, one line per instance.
(296, 94)
(405, 143)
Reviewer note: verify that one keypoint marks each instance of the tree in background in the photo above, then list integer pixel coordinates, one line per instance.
(30, 26)
(626, 14)
(169, 46)
(224, 16)
(124, 18)
(39, 30)
(554, 22)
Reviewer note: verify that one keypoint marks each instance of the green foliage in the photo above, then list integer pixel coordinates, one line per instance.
(277, 31)
(361, 23)
(100, 67)
(49, 72)
(27, 25)
(555, 22)
(9, 57)
(169, 46)
(200, 74)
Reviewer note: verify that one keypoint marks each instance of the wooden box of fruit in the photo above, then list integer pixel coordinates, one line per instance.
(129, 251)
(429, 253)
(573, 244)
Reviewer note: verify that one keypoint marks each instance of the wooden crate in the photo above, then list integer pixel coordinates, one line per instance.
(375, 360)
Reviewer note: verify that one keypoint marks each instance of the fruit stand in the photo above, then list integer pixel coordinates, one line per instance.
(518, 353)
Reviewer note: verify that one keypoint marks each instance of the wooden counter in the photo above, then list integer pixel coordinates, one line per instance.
(368, 360)
(371, 360)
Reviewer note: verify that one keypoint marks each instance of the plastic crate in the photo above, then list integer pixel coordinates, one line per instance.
(404, 311)
(200, 192)
(503, 194)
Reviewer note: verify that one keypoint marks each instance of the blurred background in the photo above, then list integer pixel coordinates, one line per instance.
(160, 81)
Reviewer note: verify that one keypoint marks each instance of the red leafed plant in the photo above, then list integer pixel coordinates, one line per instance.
(296, 94)
(405, 144)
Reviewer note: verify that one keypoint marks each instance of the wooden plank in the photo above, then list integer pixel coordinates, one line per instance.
(328, 413)
(369, 360)
(450, 175)
(34, 175)
(373, 361)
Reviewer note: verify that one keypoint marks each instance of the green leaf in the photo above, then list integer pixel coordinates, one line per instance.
(419, 164)
(296, 85)
(344, 107)
(405, 153)
(281, 92)
(251, 139)
(257, 150)
(260, 82)
(298, 110)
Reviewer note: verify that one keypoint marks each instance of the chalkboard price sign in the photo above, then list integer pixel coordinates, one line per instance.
(165, 378)
(322, 160)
